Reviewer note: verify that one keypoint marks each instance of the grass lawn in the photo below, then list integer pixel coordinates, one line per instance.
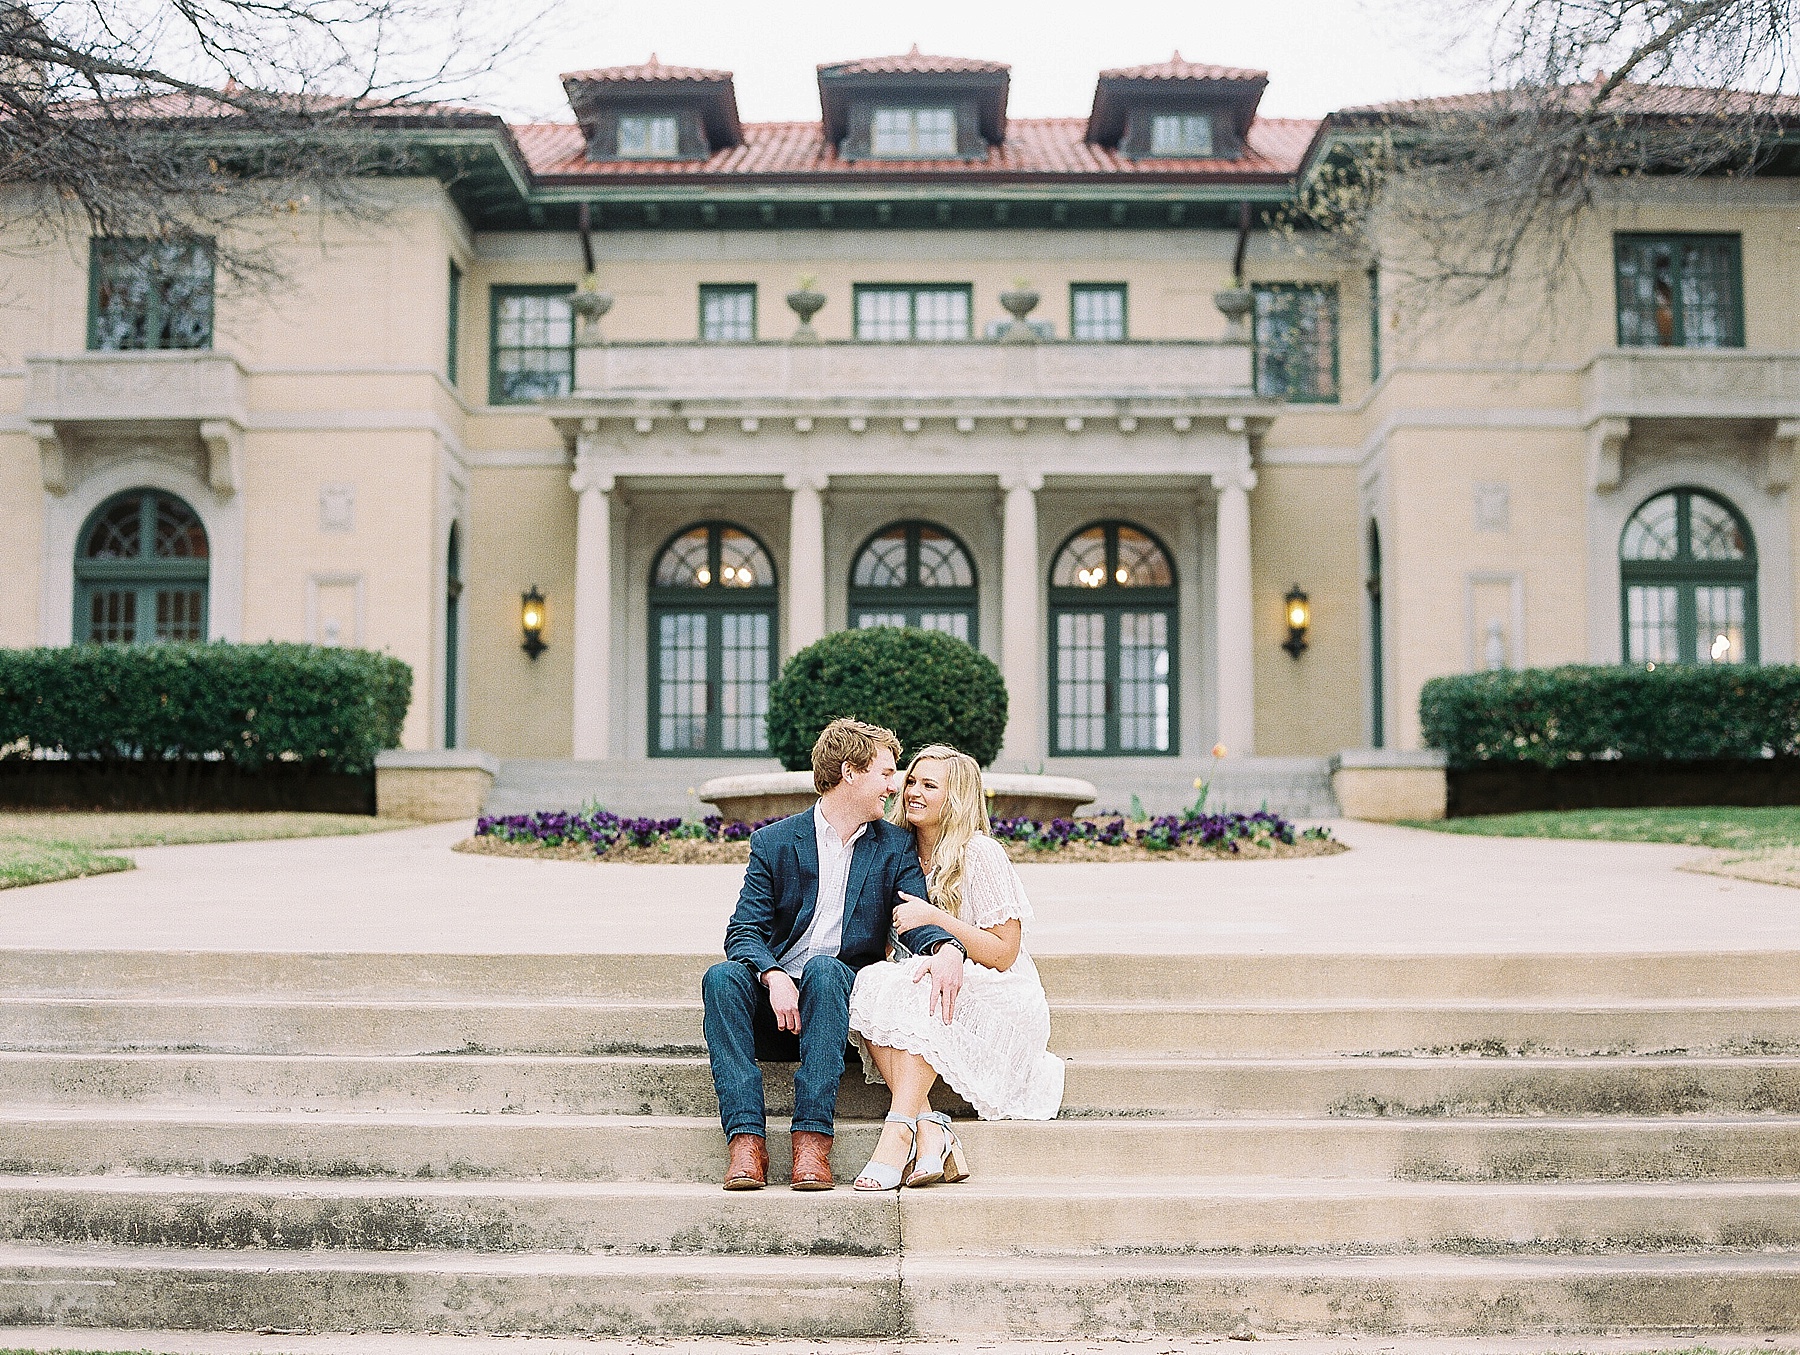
(1739, 829)
(1750, 844)
(37, 847)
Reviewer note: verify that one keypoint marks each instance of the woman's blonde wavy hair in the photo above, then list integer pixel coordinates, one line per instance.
(963, 816)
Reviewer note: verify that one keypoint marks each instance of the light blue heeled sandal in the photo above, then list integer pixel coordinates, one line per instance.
(885, 1176)
(951, 1162)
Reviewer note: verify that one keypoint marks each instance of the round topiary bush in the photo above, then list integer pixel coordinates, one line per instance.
(926, 686)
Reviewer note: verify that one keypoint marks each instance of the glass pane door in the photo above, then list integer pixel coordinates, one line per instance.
(1081, 705)
(1143, 682)
(744, 682)
(112, 616)
(682, 689)
(1652, 622)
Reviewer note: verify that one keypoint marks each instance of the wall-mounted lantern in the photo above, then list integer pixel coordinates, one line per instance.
(1299, 620)
(531, 620)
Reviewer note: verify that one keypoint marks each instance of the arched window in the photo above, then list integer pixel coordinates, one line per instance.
(141, 571)
(712, 643)
(1112, 640)
(1687, 570)
(914, 574)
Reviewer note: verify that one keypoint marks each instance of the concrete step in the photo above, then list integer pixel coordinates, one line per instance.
(437, 1291)
(629, 1218)
(452, 1146)
(566, 1026)
(611, 1084)
(1425, 1295)
(1170, 1216)
(1176, 1216)
(1573, 980)
(549, 1293)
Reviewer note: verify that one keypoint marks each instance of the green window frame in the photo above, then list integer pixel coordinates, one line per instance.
(1679, 291)
(713, 643)
(1296, 341)
(1374, 323)
(926, 132)
(912, 312)
(531, 344)
(142, 570)
(1687, 581)
(452, 321)
(915, 574)
(728, 312)
(1098, 312)
(150, 294)
(1113, 644)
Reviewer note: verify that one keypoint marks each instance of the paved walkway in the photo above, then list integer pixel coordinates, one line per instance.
(1399, 891)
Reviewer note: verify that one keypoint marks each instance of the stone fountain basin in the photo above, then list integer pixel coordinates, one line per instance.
(774, 795)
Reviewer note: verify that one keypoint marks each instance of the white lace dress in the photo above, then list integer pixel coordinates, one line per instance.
(994, 1051)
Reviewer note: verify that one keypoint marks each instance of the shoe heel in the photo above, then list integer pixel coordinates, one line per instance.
(956, 1163)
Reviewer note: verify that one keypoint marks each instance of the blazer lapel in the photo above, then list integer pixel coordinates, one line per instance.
(862, 857)
(806, 849)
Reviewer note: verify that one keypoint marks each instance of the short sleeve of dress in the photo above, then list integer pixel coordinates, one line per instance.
(992, 893)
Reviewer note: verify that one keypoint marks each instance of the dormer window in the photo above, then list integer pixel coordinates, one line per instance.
(648, 136)
(1181, 134)
(913, 133)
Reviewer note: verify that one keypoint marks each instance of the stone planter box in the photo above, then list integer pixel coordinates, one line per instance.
(187, 785)
(1513, 788)
(1389, 784)
(433, 784)
(774, 795)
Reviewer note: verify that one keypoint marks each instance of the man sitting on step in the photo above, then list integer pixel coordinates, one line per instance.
(816, 906)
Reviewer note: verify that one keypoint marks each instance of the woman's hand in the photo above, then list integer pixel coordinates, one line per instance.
(913, 912)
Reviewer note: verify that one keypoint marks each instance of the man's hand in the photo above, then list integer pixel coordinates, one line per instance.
(913, 912)
(784, 997)
(945, 970)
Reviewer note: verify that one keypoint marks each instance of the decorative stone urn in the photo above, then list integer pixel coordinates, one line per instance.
(804, 302)
(1019, 303)
(589, 303)
(774, 795)
(1234, 304)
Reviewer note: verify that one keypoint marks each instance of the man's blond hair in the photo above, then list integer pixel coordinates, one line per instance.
(845, 742)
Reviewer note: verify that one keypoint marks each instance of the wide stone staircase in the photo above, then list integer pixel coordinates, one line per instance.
(526, 1144)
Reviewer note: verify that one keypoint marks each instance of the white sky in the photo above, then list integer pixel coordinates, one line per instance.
(1320, 54)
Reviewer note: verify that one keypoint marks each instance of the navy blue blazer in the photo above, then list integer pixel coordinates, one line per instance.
(781, 891)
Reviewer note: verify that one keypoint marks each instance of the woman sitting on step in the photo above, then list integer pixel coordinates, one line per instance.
(988, 1039)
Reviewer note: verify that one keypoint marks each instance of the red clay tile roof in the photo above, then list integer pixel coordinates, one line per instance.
(914, 63)
(1178, 68)
(648, 72)
(1034, 148)
(1627, 98)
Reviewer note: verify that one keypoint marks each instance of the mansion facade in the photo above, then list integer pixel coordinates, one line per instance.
(598, 421)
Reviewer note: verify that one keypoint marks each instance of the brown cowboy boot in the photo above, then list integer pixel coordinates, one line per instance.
(812, 1160)
(749, 1169)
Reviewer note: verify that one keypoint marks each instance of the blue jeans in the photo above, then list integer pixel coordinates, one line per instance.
(740, 1029)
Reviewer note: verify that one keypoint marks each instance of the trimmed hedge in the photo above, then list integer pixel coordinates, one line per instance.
(247, 704)
(926, 686)
(1551, 716)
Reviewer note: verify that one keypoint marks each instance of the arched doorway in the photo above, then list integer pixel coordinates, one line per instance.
(1112, 643)
(1687, 574)
(141, 571)
(713, 603)
(1377, 678)
(914, 574)
(453, 587)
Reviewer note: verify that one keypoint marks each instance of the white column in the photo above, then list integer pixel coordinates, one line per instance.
(593, 609)
(806, 561)
(1021, 621)
(1236, 639)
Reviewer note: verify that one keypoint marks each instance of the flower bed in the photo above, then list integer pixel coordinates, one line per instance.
(595, 835)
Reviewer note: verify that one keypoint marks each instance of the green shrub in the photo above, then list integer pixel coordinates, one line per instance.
(926, 686)
(250, 704)
(1549, 716)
